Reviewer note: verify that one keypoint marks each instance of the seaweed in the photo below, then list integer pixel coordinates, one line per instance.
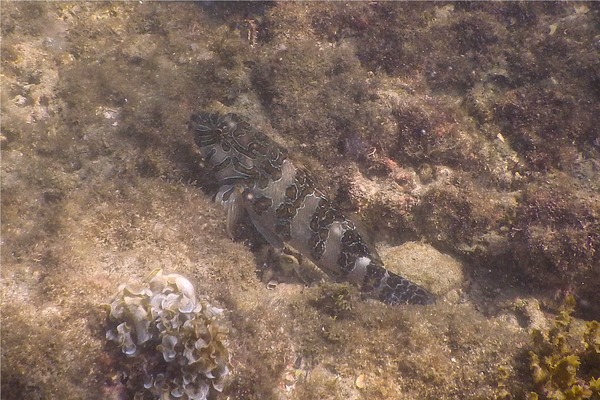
(564, 361)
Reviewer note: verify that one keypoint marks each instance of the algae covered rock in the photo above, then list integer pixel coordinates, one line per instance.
(178, 342)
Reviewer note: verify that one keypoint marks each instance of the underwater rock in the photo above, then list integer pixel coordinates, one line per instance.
(442, 274)
(165, 318)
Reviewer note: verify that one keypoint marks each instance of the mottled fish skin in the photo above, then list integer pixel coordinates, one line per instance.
(287, 208)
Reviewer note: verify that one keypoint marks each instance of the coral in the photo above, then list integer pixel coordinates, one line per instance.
(566, 364)
(164, 316)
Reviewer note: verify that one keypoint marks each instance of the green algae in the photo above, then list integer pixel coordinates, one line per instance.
(166, 317)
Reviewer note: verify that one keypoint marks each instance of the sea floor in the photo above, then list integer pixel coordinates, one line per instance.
(463, 136)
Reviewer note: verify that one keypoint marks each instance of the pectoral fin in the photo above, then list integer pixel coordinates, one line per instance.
(230, 197)
(269, 235)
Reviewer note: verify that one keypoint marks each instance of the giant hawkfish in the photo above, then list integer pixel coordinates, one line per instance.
(257, 177)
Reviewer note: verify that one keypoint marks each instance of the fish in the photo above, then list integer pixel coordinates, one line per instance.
(257, 176)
